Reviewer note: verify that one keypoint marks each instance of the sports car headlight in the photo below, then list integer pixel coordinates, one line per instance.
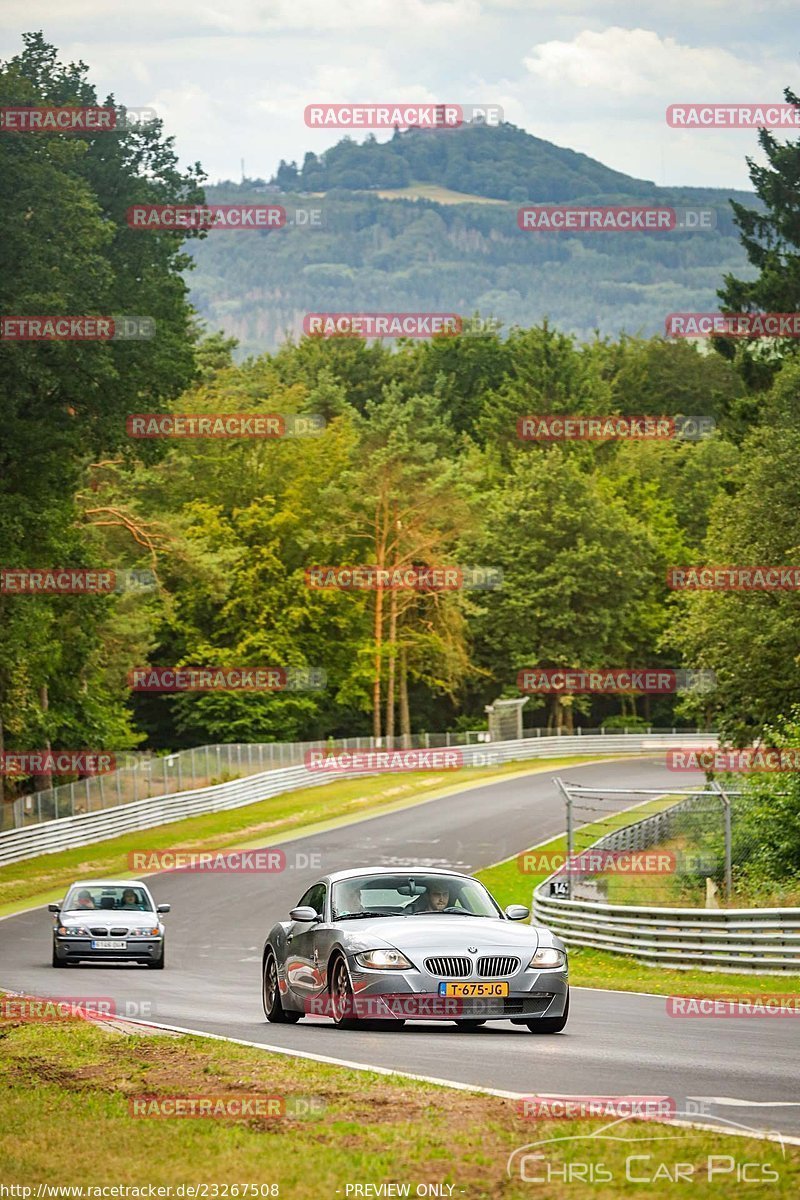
(547, 956)
(148, 931)
(73, 931)
(384, 960)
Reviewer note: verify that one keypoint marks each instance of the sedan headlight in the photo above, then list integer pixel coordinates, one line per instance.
(384, 960)
(547, 957)
(150, 931)
(73, 931)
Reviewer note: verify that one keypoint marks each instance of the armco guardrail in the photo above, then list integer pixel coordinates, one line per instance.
(82, 830)
(732, 939)
(739, 939)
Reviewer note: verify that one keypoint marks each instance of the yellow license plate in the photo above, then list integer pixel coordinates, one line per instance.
(473, 989)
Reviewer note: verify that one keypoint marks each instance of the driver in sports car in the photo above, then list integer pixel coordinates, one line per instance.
(436, 898)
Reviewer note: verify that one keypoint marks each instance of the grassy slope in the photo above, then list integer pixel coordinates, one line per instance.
(76, 1080)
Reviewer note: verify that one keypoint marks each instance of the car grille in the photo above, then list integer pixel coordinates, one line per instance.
(497, 964)
(449, 965)
(98, 930)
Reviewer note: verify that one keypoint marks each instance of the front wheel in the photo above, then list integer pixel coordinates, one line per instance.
(157, 964)
(271, 995)
(550, 1024)
(341, 996)
(58, 962)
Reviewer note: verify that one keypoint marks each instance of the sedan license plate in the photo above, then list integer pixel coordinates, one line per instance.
(109, 944)
(473, 989)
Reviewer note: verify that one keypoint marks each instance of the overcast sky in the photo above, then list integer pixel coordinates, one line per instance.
(231, 78)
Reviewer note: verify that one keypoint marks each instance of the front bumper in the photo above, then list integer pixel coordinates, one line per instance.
(414, 995)
(74, 949)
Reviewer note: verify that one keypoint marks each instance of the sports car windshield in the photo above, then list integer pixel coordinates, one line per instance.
(410, 894)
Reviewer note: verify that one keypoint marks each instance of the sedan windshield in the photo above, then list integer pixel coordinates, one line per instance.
(409, 894)
(110, 897)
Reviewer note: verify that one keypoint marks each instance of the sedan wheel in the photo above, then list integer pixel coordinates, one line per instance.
(550, 1024)
(271, 995)
(341, 994)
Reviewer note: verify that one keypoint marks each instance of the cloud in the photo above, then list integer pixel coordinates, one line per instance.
(639, 62)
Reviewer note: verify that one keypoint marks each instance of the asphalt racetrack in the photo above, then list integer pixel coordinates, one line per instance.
(741, 1070)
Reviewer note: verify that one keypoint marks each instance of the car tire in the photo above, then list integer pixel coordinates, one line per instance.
(59, 962)
(271, 995)
(340, 994)
(157, 964)
(550, 1024)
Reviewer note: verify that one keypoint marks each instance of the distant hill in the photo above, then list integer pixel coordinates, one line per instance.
(439, 254)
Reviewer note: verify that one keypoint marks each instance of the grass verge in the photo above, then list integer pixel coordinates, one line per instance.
(309, 810)
(78, 1080)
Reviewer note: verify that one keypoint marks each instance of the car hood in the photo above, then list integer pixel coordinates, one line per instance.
(107, 917)
(444, 934)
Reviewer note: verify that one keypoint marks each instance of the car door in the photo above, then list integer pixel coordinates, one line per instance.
(304, 967)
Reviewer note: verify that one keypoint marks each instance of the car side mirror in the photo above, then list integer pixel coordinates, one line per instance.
(163, 907)
(517, 912)
(304, 913)
(55, 906)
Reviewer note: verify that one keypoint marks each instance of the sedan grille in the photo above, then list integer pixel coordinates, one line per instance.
(447, 965)
(497, 964)
(98, 930)
(118, 932)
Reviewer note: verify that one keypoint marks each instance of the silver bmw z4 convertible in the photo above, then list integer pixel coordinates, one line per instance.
(392, 944)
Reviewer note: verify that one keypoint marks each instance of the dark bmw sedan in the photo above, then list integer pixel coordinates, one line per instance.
(108, 921)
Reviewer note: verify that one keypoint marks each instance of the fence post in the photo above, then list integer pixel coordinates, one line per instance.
(726, 803)
(565, 793)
